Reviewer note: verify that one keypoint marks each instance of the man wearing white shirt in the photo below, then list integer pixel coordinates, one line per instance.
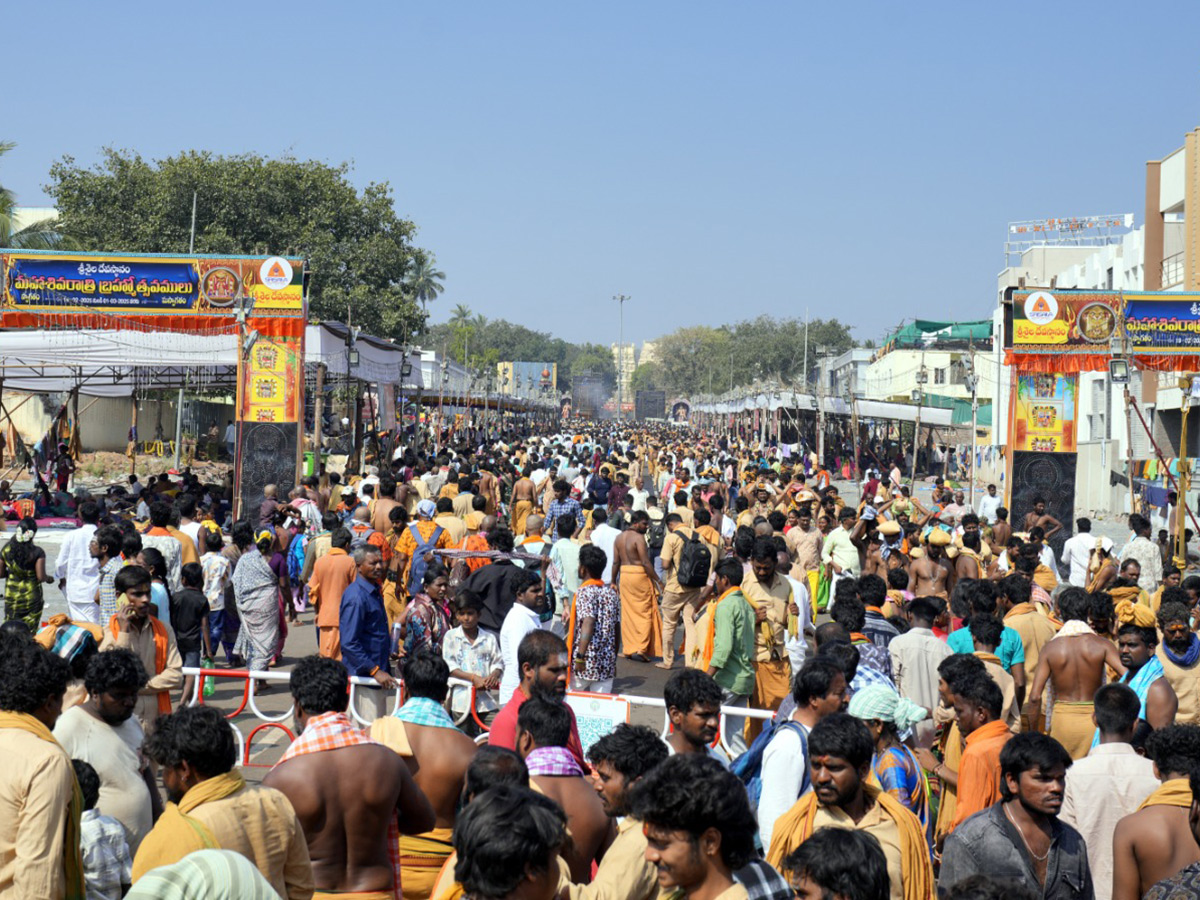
(639, 498)
(522, 618)
(819, 690)
(605, 537)
(988, 504)
(77, 571)
(1076, 552)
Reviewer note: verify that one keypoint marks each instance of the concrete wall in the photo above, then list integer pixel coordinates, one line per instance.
(1094, 495)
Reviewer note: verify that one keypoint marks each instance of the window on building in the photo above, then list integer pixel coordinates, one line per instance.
(939, 376)
(1108, 279)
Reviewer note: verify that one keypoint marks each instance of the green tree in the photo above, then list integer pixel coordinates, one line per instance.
(593, 359)
(40, 235)
(648, 377)
(360, 255)
(424, 280)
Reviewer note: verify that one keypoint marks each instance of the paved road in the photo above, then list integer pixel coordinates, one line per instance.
(639, 679)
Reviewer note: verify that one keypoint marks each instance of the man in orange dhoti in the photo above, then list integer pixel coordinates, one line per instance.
(639, 587)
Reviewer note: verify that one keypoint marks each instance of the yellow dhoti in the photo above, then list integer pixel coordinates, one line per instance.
(520, 512)
(421, 859)
(814, 582)
(641, 628)
(1072, 726)
(393, 602)
(948, 803)
(772, 682)
(354, 895)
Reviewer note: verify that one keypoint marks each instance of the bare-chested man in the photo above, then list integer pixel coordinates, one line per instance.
(1001, 532)
(543, 729)
(969, 563)
(1073, 663)
(1157, 841)
(489, 487)
(347, 790)
(1039, 517)
(932, 575)
(640, 588)
(437, 755)
(524, 495)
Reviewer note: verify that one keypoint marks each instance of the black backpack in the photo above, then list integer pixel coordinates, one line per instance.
(694, 562)
(656, 535)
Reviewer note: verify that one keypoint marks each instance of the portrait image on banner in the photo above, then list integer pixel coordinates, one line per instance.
(1045, 410)
(1080, 320)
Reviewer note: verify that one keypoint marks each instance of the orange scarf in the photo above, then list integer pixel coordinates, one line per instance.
(857, 637)
(160, 656)
(710, 636)
(591, 582)
(875, 609)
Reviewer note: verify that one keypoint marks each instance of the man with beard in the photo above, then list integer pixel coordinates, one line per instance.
(1156, 841)
(103, 732)
(841, 749)
(698, 827)
(346, 789)
(212, 806)
(1144, 675)
(819, 690)
(1073, 663)
(1180, 658)
(542, 662)
(620, 759)
(1021, 839)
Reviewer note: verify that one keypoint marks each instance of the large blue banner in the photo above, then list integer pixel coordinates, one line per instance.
(1163, 323)
(115, 285)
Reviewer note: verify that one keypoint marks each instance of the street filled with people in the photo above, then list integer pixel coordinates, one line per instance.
(875, 689)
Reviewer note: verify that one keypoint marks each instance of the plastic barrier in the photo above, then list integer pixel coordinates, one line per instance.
(359, 683)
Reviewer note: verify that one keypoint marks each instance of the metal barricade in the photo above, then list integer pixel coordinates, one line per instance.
(269, 722)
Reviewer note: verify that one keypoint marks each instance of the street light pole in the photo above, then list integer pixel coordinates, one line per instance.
(621, 298)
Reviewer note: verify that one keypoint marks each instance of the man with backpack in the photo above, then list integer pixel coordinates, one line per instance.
(417, 541)
(819, 689)
(688, 564)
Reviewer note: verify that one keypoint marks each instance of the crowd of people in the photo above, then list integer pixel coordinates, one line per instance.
(870, 694)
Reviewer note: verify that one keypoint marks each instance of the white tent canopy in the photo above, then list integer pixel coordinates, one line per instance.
(113, 363)
(104, 363)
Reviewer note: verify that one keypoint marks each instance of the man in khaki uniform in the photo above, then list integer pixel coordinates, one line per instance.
(679, 601)
(771, 596)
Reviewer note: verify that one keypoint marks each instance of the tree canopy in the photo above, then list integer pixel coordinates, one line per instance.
(483, 342)
(40, 235)
(700, 358)
(362, 264)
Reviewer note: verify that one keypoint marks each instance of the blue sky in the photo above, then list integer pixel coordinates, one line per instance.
(714, 161)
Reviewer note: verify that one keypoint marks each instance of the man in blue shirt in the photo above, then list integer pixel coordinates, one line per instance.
(981, 600)
(562, 506)
(363, 627)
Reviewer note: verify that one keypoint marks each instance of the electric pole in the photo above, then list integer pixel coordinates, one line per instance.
(621, 298)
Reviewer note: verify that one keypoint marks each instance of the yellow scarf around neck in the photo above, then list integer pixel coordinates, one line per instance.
(916, 871)
(1175, 792)
(72, 853)
(176, 834)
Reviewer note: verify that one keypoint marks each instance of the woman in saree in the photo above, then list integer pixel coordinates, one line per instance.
(256, 592)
